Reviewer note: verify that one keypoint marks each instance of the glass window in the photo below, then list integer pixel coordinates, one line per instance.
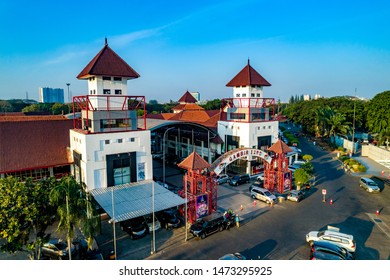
(118, 91)
(105, 78)
(106, 91)
(117, 79)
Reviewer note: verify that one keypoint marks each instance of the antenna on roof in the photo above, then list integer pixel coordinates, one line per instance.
(248, 60)
(105, 41)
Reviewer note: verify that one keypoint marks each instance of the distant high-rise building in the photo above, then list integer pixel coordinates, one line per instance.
(51, 95)
(196, 95)
(306, 97)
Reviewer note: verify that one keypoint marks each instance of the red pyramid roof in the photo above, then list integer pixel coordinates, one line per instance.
(280, 148)
(107, 63)
(248, 77)
(188, 98)
(194, 162)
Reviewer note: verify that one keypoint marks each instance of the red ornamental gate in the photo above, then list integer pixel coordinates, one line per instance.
(199, 184)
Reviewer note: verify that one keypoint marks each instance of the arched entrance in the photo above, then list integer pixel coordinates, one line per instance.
(241, 153)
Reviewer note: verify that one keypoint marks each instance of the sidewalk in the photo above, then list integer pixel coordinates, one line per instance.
(373, 168)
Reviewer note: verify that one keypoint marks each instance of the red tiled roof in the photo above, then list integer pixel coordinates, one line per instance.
(280, 148)
(188, 107)
(33, 142)
(248, 77)
(107, 63)
(187, 98)
(194, 162)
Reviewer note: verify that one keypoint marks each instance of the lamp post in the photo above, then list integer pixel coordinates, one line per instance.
(113, 220)
(164, 153)
(153, 224)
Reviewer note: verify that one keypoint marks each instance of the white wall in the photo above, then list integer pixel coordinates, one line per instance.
(93, 150)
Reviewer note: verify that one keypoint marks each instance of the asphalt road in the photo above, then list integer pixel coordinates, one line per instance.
(278, 233)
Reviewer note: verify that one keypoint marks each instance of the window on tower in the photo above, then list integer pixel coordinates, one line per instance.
(106, 78)
(118, 91)
(106, 91)
(117, 79)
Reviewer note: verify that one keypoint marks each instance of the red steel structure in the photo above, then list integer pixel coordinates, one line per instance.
(111, 103)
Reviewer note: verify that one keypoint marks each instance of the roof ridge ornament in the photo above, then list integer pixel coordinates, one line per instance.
(105, 41)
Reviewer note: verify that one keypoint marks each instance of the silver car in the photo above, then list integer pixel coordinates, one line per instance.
(369, 185)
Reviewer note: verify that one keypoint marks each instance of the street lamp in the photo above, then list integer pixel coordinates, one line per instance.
(353, 127)
(164, 153)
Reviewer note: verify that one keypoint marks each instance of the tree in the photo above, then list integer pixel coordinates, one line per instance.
(301, 176)
(378, 114)
(75, 209)
(214, 104)
(5, 106)
(338, 125)
(307, 158)
(25, 212)
(60, 109)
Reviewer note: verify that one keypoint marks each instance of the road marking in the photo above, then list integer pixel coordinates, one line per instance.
(379, 222)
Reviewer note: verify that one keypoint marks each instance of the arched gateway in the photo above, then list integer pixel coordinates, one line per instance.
(199, 184)
(241, 153)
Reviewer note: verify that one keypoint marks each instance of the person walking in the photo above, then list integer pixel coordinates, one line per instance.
(237, 221)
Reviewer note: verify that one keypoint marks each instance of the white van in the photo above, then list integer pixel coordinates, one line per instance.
(332, 235)
(263, 195)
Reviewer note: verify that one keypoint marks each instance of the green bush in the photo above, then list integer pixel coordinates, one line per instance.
(344, 159)
(362, 168)
(341, 149)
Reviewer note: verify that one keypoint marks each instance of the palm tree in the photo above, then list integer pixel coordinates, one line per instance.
(322, 116)
(75, 209)
(338, 125)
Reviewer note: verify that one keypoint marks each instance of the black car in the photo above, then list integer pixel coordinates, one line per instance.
(239, 179)
(57, 249)
(135, 227)
(327, 247)
(169, 218)
(208, 225)
(258, 184)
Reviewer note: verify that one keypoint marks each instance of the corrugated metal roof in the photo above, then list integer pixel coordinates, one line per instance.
(135, 200)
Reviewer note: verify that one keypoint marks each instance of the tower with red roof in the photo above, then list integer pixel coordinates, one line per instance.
(108, 146)
(249, 117)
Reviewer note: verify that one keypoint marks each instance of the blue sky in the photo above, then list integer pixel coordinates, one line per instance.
(301, 47)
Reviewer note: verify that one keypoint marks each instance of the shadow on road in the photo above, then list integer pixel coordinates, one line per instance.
(260, 251)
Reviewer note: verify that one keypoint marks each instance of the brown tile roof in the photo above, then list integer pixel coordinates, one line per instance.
(248, 77)
(187, 98)
(194, 162)
(191, 116)
(280, 148)
(33, 142)
(187, 107)
(107, 63)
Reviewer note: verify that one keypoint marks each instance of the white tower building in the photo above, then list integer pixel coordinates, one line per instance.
(107, 147)
(249, 120)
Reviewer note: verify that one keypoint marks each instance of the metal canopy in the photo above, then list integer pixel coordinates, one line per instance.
(135, 199)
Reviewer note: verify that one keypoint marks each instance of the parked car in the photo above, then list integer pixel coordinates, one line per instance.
(258, 184)
(324, 246)
(149, 221)
(57, 249)
(135, 227)
(208, 225)
(239, 179)
(222, 178)
(263, 195)
(169, 218)
(327, 256)
(296, 195)
(332, 235)
(369, 185)
(233, 256)
(260, 176)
